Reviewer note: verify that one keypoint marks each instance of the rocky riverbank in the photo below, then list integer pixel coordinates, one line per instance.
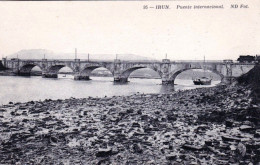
(218, 125)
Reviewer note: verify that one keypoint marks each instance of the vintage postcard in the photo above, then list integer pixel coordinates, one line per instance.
(130, 82)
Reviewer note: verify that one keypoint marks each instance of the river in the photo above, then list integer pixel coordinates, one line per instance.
(23, 89)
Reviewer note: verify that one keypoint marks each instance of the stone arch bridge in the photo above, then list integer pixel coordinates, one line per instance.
(121, 70)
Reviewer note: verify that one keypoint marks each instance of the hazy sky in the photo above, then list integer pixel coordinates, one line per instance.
(125, 28)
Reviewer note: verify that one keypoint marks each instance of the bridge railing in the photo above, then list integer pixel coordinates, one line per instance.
(199, 61)
(80, 60)
(62, 60)
(125, 61)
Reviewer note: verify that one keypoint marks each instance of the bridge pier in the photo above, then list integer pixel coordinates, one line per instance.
(118, 75)
(167, 82)
(81, 77)
(120, 79)
(24, 74)
(166, 69)
(49, 75)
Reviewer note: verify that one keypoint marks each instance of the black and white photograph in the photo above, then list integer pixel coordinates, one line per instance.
(130, 82)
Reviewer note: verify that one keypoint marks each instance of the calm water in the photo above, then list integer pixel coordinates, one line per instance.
(22, 89)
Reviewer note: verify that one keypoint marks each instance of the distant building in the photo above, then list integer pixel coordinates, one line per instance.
(246, 59)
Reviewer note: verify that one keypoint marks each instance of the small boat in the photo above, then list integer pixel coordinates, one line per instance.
(202, 80)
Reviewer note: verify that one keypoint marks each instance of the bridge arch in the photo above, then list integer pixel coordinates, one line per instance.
(87, 70)
(54, 69)
(127, 72)
(174, 74)
(85, 73)
(25, 70)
